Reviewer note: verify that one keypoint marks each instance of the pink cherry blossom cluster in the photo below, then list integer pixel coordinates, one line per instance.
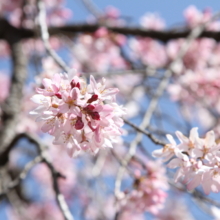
(103, 47)
(194, 87)
(149, 51)
(148, 194)
(195, 17)
(175, 208)
(197, 160)
(199, 90)
(111, 16)
(202, 48)
(22, 14)
(56, 12)
(81, 117)
(154, 54)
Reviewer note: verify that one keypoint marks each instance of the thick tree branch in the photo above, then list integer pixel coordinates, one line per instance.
(72, 29)
(163, 35)
(12, 34)
(12, 106)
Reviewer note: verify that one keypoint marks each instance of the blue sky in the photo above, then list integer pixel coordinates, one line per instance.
(170, 10)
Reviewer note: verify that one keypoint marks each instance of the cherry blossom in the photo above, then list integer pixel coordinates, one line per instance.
(149, 190)
(103, 47)
(81, 117)
(194, 17)
(174, 209)
(197, 160)
(152, 21)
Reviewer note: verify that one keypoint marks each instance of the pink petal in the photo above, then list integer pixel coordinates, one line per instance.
(171, 139)
(56, 79)
(64, 108)
(193, 134)
(97, 135)
(38, 98)
(74, 94)
(46, 82)
(178, 175)
(111, 91)
(47, 126)
(174, 163)
(210, 139)
(39, 90)
(180, 155)
(158, 153)
(55, 88)
(93, 83)
(181, 137)
(194, 183)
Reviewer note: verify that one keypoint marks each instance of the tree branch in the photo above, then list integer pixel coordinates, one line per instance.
(73, 29)
(45, 36)
(163, 35)
(155, 140)
(12, 106)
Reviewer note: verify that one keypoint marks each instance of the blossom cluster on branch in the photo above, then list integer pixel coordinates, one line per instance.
(149, 193)
(197, 160)
(81, 117)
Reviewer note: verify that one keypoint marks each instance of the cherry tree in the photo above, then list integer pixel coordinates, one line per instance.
(107, 120)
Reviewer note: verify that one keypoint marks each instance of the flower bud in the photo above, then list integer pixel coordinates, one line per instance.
(79, 124)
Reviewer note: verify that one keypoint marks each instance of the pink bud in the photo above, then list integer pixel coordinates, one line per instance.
(95, 115)
(58, 95)
(89, 108)
(93, 98)
(73, 84)
(79, 124)
(78, 85)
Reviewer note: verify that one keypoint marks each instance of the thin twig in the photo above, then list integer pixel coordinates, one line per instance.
(55, 175)
(45, 36)
(144, 71)
(147, 133)
(59, 196)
